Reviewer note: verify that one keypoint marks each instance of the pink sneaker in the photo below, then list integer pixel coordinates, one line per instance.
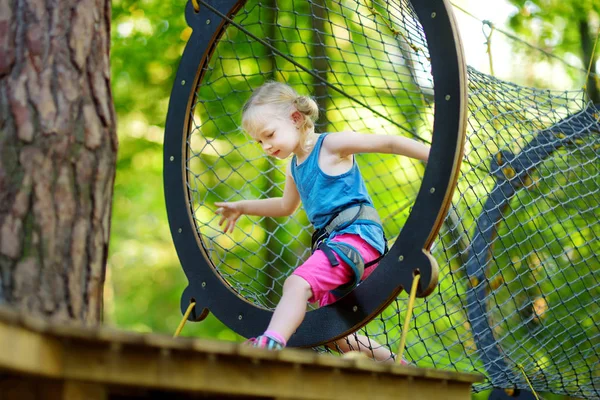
(264, 342)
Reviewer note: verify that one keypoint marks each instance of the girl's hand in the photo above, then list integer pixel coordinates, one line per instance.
(229, 212)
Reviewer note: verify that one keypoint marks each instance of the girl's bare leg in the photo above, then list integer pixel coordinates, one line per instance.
(365, 345)
(290, 313)
(291, 309)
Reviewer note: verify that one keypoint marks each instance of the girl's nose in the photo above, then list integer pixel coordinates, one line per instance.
(266, 146)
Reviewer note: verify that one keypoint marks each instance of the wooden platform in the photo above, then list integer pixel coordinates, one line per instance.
(41, 360)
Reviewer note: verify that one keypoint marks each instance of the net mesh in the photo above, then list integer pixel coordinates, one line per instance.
(518, 252)
(365, 79)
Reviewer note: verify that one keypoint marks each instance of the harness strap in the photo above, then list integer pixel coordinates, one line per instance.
(350, 256)
(347, 253)
(375, 261)
(344, 219)
(329, 254)
(347, 217)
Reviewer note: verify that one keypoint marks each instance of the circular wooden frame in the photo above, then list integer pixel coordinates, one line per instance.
(410, 253)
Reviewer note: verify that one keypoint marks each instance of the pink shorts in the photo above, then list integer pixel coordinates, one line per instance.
(323, 278)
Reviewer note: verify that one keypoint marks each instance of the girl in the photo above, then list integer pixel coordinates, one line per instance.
(323, 175)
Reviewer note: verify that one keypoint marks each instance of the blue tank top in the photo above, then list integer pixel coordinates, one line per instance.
(323, 196)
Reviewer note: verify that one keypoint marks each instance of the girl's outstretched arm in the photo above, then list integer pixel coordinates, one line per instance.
(271, 207)
(348, 143)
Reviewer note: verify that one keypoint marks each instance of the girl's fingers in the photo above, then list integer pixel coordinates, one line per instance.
(228, 219)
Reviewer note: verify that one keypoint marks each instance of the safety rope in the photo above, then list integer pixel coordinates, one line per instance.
(409, 310)
(517, 39)
(529, 383)
(488, 43)
(184, 319)
(196, 5)
(394, 31)
(589, 71)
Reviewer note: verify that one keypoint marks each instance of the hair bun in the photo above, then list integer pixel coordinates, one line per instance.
(307, 106)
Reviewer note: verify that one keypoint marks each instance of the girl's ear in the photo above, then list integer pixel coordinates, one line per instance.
(297, 117)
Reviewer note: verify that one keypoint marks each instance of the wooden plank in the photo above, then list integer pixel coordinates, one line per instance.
(36, 388)
(73, 390)
(92, 361)
(30, 352)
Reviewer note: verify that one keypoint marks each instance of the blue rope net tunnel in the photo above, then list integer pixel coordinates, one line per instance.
(518, 249)
(522, 238)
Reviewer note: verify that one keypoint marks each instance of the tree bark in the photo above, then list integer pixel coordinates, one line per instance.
(58, 149)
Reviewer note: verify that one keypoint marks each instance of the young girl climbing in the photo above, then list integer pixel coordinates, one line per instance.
(322, 173)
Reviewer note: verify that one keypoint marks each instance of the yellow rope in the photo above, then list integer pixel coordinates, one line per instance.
(517, 39)
(529, 383)
(184, 319)
(196, 5)
(389, 25)
(409, 310)
(489, 47)
(589, 71)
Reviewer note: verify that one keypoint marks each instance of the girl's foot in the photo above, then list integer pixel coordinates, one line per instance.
(265, 342)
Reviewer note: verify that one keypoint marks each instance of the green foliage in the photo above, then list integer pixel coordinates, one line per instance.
(554, 25)
(144, 280)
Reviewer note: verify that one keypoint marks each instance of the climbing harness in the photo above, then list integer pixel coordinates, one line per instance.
(363, 214)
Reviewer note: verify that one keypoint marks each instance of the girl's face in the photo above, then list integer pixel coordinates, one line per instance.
(278, 134)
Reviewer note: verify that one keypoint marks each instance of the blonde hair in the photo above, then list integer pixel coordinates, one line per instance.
(285, 100)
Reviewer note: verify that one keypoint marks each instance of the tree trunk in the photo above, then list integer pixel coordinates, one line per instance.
(58, 148)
